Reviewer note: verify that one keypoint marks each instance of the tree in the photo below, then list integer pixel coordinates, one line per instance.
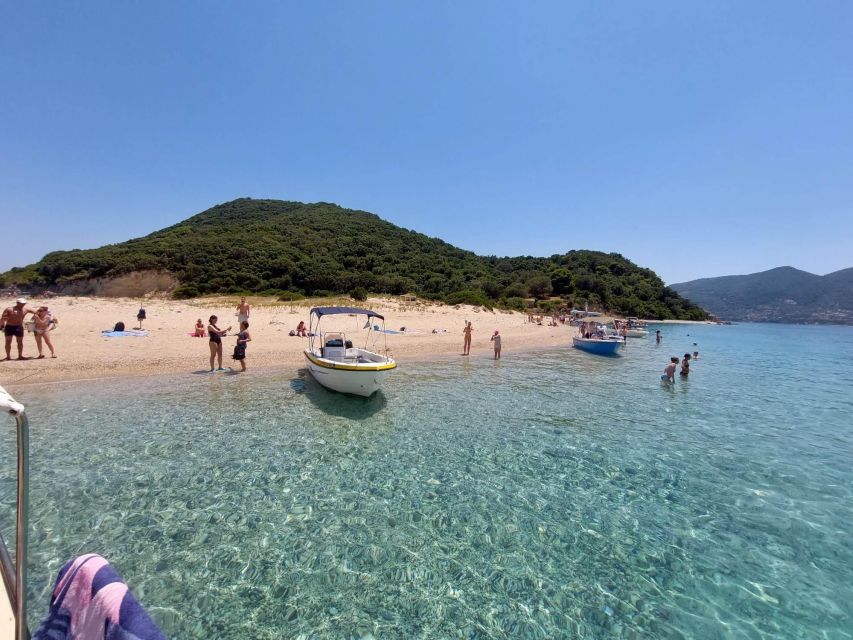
(539, 287)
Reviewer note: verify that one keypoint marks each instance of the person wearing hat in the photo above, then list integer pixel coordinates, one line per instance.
(12, 323)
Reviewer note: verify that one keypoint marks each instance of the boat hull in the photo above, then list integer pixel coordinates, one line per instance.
(636, 333)
(598, 347)
(357, 380)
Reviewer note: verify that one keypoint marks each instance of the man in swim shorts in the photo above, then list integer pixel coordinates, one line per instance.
(669, 370)
(243, 310)
(12, 323)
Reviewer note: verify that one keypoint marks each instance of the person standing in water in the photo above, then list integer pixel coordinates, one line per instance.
(658, 336)
(496, 338)
(466, 346)
(685, 366)
(215, 341)
(243, 310)
(669, 370)
(240, 349)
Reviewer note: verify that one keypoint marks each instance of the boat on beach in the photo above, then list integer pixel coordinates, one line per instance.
(633, 328)
(593, 338)
(338, 365)
(598, 346)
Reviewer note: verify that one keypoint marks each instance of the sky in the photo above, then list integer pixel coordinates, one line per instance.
(697, 139)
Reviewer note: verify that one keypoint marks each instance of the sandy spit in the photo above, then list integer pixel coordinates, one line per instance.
(84, 354)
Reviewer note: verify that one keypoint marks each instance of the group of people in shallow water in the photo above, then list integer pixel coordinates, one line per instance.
(669, 371)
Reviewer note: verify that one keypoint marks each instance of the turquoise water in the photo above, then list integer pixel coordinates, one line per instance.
(551, 495)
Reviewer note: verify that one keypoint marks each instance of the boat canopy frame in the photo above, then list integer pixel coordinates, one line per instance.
(314, 328)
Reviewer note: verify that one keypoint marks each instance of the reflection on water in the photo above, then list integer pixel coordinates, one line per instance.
(549, 495)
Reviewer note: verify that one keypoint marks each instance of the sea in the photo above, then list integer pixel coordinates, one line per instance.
(551, 494)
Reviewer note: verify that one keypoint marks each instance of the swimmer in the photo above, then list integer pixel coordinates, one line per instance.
(685, 366)
(669, 371)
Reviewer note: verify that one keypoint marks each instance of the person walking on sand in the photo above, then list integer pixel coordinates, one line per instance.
(685, 366)
(43, 324)
(140, 316)
(466, 345)
(215, 341)
(243, 310)
(240, 349)
(12, 323)
(669, 371)
(496, 338)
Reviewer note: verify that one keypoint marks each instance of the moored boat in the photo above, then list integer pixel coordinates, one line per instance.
(598, 346)
(593, 338)
(337, 365)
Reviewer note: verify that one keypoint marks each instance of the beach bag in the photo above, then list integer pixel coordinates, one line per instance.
(119, 326)
(292, 332)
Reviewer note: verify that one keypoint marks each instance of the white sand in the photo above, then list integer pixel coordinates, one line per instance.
(84, 354)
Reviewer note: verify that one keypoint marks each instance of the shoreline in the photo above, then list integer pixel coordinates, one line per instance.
(84, 355)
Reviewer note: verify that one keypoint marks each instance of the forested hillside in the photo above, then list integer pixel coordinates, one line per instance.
(312, 249)
(783, 294)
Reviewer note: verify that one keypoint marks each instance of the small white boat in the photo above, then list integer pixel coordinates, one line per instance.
(337, 365)
(636, 333)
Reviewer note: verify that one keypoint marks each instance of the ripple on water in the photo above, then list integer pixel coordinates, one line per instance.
(549, 495)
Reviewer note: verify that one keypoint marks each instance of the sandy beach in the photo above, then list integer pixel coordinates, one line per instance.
(83, 353)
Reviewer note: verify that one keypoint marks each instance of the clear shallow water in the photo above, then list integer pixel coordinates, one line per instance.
(554, 494)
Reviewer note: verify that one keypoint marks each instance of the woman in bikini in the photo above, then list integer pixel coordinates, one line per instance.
(215, 341)
(43, 324)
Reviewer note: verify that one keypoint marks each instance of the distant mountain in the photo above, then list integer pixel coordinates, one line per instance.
(273, 246)
(783, 294)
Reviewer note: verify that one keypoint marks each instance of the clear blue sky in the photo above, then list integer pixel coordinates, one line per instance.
(698, 139)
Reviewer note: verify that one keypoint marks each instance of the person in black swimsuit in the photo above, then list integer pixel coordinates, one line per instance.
(215, 341)
(240, 349)
(685, 366)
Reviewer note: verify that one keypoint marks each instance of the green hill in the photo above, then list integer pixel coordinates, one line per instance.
(272, 246)
(783, 294)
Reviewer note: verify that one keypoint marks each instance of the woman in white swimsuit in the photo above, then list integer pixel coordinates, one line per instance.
(43, 324)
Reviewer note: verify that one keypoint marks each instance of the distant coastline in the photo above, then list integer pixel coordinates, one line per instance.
(782, 295)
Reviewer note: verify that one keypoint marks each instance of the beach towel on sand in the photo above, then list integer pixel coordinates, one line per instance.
(90, 601)
(134, 333)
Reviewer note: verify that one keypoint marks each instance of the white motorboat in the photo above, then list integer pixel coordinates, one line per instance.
(337, 365)
(636, 333)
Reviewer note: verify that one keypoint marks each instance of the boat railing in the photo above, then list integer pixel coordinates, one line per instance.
(15, 573)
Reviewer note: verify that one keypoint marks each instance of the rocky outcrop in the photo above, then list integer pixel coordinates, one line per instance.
(131, 285)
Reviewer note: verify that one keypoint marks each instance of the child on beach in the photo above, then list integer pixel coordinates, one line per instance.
(240, 349)
(669, 371)
(199, 329)
(496, 338)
